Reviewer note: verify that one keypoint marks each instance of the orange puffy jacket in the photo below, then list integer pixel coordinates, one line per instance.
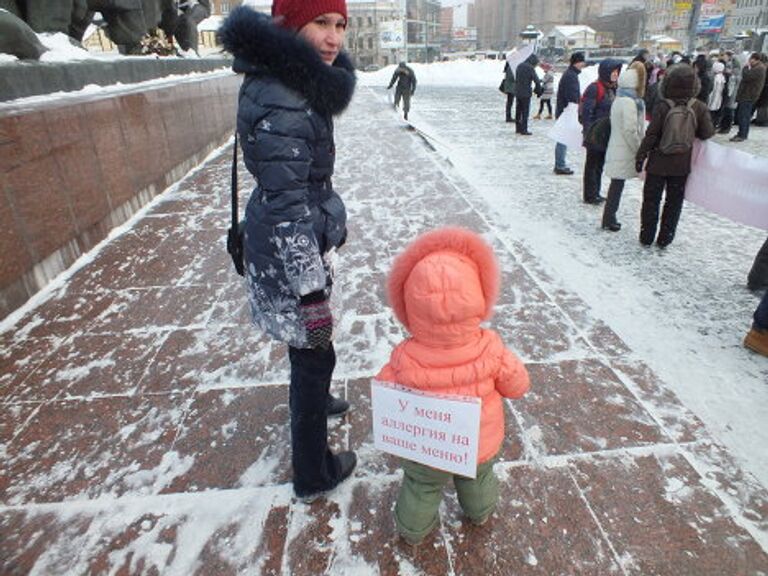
(441, 288)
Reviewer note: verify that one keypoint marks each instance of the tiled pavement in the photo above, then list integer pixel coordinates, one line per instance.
(144, 424)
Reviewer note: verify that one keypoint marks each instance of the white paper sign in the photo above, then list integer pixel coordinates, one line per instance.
(729, 182)
(441, 431)
(518, 56)
(567, 129)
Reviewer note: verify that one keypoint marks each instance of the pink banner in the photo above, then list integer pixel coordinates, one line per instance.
(730, 183)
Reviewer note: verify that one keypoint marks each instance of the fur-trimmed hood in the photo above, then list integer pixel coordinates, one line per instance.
(444, 285)
(261, 47)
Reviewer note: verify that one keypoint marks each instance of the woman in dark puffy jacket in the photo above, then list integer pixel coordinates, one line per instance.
(296, 80)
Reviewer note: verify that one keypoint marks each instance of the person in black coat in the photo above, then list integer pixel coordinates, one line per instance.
(700, 65)
(525, 75)
(296, 78)
(568, 92)
(406, 86)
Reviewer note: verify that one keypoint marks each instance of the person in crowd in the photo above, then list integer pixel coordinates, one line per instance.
(757, 337)
(526, 75)
(627, 130)
(702, 71)
(442, 288)
(733, 79)
(758, 274)
(752, 81)
(761, 106)
(547, 91)
(568, 92)
(718, 95)
(652, 93)
(296, 78)
(406, 86)
(668, 146)
(595, 111)
(643, 56)
(508, 87)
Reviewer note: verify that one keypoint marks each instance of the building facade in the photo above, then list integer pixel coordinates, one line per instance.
(748, 16)
(499, 22)
(672, 18)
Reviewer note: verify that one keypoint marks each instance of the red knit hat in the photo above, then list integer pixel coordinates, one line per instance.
(296, 13)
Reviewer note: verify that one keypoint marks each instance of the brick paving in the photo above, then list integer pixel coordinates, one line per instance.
(144, 427)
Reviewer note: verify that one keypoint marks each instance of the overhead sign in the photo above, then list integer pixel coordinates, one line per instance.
(711, 24)
(391, 35)
(441, 431)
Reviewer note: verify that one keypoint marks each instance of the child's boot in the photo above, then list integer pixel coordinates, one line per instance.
(537, 117)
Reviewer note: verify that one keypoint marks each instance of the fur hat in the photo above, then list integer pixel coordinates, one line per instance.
(295, 14)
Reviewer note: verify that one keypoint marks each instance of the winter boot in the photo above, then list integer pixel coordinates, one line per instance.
(757, 341)
(537, 117)
(549, 117)
(336, 406)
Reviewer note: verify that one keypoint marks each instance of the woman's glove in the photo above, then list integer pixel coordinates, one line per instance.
(318, 321)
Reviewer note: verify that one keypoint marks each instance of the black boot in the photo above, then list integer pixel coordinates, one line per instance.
(336, 406)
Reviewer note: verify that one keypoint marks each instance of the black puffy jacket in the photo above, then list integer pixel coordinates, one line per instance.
(284, 121)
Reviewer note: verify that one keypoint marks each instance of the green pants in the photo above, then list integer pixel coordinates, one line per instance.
(422, 491)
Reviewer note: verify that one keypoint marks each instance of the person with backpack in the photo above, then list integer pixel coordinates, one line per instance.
(526, 74)
(296, 79)
(594, 115)
(677, 120)
(752, 80)
(568, 92)
(508, 88)
(627, 129)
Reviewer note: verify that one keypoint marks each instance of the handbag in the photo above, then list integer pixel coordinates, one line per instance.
(501, 87)
(237, 226)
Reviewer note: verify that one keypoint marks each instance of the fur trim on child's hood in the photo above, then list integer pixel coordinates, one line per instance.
(446, 280)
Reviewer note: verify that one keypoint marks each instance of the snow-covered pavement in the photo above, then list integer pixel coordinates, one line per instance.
(145, 424)
(685, 310)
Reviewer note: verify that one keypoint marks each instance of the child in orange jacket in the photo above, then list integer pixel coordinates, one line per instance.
(441, 288)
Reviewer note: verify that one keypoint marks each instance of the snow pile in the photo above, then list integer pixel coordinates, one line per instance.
(456, 73)
(61, 49)
(459, 73)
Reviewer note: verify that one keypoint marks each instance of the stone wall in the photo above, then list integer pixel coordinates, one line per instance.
(73, 170)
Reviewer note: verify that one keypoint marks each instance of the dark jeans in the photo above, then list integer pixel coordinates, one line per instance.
(546, 102)
(726, 119)
(673, 206)
(510, 104)
(761, 314)
(758, 275)
(612, 201)
(744, 117)
(315, 468)
(406, 96)
(521, 114)
(593, 173)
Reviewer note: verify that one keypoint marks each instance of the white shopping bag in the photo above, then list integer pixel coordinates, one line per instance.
(567, 129)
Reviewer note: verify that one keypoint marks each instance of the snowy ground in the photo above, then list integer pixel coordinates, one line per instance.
(685, 310)
(145, 429)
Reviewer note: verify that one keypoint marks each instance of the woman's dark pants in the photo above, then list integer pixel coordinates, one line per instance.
(673, 206)
(315, 468)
